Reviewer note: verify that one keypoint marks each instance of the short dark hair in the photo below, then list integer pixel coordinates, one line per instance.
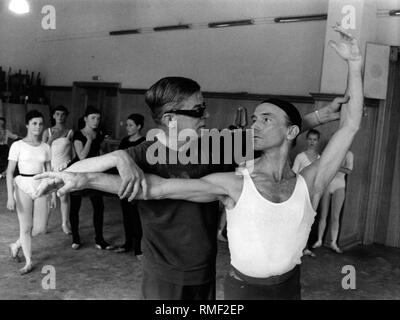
(59, 108)
(33, 114)
(91, 110)
(293, 115)
(313, 131)
(4, 119)
(138, 119)
(167, 90)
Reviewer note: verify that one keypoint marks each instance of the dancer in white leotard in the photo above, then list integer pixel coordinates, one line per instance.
(59, 138)
(32, 156)
(335, 192)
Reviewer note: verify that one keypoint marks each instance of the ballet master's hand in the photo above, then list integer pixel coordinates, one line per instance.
(132, 178)
(62, 182)
(331, 111)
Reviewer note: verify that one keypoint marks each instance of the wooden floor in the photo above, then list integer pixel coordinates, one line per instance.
(93, 274)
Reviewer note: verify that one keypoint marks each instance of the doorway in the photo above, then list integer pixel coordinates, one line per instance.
(105, 97)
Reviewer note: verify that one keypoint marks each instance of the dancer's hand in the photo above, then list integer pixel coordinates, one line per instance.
(62, 182)
(331, 111)
(348, 49)
(88, 136)
(11, 204)
(132, 178)
(63, 165)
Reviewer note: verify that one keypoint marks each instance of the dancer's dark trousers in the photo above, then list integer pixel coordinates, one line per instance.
(98, 216)
(290, 289)
(155, 288)
(132, 225)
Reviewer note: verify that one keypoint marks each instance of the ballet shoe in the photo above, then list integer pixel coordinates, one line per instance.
(28, 268)
(307, 252)
(335, 248)
(124, 249)
(104, 246)
(75, 246)
(317, 244)
(66, 229)
(14, 252)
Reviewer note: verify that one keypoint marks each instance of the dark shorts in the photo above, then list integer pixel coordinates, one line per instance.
(240, 287)
(155, 288)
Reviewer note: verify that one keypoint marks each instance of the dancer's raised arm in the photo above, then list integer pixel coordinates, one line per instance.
(321, 172)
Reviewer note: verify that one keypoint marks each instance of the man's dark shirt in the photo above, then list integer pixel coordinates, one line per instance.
(179, 237)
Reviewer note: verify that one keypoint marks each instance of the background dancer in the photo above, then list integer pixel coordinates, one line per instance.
(87, 143)
(335, 195)
(130, 214)
(59, 138)
(32, 157)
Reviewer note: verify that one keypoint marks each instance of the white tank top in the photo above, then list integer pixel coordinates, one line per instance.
(61, 151)
(265, 238)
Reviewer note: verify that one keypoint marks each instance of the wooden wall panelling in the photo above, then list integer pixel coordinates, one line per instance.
(15, 117)
(393, 227)
(384, 196)
(381, 224)
(78, 105)
(109, 104)
(372, 198)
(359, 180)
(387, 230)
(353, 211)
(61, 97)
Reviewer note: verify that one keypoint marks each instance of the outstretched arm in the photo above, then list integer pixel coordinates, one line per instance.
(132, 176)
(206, 189)
(321, 172)
(98, 164)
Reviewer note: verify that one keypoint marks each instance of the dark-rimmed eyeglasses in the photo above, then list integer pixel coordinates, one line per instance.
(195, 113)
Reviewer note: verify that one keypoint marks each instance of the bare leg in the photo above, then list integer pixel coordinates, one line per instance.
(14, 249)
(40, 216)
(322, 221)
(24, 206)
(337, 204)
(64, 208)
